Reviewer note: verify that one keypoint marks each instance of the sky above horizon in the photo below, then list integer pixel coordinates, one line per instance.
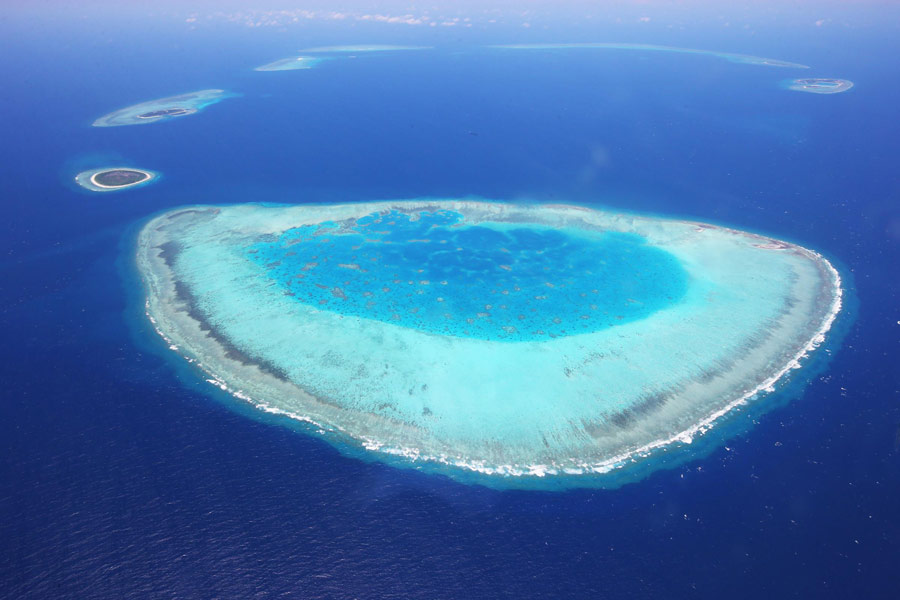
(472, 13)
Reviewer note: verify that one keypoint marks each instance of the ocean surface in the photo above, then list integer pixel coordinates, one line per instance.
(123, 474)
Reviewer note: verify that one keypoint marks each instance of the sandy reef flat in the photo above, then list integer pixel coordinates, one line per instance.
(573, 404)
(162, 109)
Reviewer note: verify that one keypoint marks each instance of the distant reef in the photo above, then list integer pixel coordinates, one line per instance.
(292, 63)
(820, 86)
(731, 57)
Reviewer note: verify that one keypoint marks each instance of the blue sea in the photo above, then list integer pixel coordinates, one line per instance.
(123, 474)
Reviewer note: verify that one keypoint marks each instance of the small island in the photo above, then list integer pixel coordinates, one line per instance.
(163, 109)
(112, 179)
(820, 86)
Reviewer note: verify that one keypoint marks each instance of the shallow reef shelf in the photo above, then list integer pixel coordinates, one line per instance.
(162, 109)
(510, 340)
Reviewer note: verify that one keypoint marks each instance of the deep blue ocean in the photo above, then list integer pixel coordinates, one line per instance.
(122, 475)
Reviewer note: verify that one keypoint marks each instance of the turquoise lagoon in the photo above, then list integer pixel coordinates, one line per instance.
(489, 281)
(507, 340)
